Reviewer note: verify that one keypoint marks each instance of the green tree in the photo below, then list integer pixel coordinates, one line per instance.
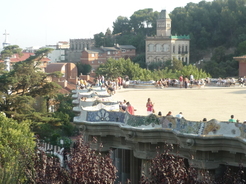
(111, 69)
(99, 39)
(191, 69)
(121, 25)
(140, 59)
(16, 149)
(11, 50)
(157, 65)
(84, 69)
(20, 86)
(177, 64)
(219, 54)
(241, 49)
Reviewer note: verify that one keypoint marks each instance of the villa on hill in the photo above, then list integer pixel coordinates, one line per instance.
(164, 46)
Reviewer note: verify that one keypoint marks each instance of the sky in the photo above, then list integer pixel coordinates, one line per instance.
(46, 22)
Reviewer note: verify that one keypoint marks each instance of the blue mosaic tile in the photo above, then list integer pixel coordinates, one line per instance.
(103, 115)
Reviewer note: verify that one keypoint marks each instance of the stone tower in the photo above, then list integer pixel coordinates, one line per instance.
(163, 26)
(164, 46)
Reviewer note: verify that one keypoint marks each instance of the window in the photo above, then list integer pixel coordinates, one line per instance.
(92, 55)
(166, 47)
(123, 50)
(174, 49)
(158, 48)
(108, 52)
(151, 48)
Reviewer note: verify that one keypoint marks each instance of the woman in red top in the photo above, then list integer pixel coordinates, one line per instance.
(150, 106)
(130, 109)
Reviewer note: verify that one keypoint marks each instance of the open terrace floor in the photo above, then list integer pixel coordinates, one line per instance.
(209, 102)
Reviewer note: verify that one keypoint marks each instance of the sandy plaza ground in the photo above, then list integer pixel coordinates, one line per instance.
(209, 102)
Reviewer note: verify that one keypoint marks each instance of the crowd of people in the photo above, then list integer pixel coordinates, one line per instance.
(182, 82)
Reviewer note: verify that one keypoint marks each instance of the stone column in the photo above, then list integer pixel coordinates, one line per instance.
(125, 165)
(118, 163)
(135, 168)
(145, 165)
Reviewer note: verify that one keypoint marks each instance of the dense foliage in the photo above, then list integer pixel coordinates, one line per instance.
(167, 168)
(83, 165)
(20, 86)
(114, 68)
(83, 69)
(212, 26)
(27, 94)
(16, 149)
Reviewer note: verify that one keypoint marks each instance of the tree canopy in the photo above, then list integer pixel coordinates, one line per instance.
(16, 149)
(10, 50)
(210, 25)
(20, 86)
(125, 67)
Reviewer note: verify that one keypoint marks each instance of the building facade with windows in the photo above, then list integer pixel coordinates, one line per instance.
(76, 46)
(97, 56)
(164, 46)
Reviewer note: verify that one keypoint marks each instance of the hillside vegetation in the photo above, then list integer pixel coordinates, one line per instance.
(213, 27)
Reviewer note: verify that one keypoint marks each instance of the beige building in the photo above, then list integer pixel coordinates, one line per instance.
(74, 53)
(164, 46)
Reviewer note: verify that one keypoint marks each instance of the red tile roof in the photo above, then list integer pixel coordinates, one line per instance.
(25, 55)
(68, 89)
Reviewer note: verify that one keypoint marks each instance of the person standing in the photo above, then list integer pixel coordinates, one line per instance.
(186, 81)
(150, 106)
(181, 81)
(191, 80)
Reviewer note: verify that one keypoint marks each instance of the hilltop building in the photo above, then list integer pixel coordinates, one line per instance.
(164, 46)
